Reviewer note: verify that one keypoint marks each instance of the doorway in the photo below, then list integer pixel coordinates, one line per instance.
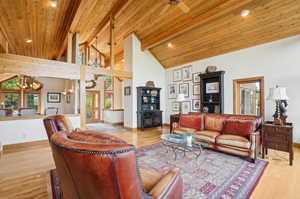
(92, 106)
(248, 95)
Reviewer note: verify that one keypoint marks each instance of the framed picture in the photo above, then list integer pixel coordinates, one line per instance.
(127, 90)
(175, 106)
(184, 89)
(172, 91)
(196, 89)
(212, 87)
(196, 77)
(53, 97)
(196, 104)
(186, 107)
(177, 75)
(187, 73)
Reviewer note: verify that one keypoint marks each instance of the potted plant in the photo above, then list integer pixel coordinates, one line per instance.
(189, 138)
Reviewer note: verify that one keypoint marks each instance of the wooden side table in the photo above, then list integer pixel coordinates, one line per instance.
(278, 137)
(173, 118)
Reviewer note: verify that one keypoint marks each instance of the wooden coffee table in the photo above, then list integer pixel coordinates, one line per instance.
(181, 146)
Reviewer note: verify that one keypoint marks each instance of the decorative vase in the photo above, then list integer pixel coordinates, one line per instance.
(189, 140)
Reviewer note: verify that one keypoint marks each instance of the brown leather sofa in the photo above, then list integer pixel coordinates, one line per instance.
(235, 134)
(94, 165)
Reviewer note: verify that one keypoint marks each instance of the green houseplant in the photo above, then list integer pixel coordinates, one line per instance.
(189, 138)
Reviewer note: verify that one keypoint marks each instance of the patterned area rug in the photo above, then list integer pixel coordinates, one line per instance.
(105, 128)
(213, 175)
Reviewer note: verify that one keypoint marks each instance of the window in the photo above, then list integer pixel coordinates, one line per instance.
(108, 100)
(11, 100)
(11, 84)
(15, 95)
(33, 101)
(108, 83)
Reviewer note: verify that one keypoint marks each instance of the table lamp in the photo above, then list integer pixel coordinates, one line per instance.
(180, 98)
(278, 94)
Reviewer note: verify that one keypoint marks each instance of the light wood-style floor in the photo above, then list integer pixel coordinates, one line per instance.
(24, 170)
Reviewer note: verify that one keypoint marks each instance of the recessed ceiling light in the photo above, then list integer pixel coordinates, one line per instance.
(53, 4)
(28, 40)
(245, 13)
(170, 45)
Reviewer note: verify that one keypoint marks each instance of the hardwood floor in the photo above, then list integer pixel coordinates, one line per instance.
(24, 172)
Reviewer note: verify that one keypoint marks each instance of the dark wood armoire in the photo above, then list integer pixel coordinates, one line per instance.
(148, 108)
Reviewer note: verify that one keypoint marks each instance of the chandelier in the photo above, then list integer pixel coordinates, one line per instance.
(29, 83)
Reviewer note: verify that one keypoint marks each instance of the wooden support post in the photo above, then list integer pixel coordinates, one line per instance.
(75, 48)
(22, 104)
(112, 42)
(82, 97)
(86, 54)
(76, 96)
(69, 47)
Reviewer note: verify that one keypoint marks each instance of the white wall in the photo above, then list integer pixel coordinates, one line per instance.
(278, 62)
(113, 116)
(144, 68)
(58, 86)
(19, 131)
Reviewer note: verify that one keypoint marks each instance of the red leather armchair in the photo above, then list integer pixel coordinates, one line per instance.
(106, 167)
(56, 123)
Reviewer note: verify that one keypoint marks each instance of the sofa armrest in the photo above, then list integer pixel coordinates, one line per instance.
(254, 140)
(170, 186)
(174, 126)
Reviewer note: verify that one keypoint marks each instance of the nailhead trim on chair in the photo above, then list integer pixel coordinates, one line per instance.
(96, 152)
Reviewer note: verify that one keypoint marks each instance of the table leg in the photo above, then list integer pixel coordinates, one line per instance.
(175, 154)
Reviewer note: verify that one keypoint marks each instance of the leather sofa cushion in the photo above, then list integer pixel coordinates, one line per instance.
(213, 122)
(239, 127)
(239, 151)
(233, 140)
(191, 121)
(182, 130)
(207, 136)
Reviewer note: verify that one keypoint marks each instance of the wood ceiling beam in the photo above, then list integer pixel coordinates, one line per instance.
(163, 36)
(23, 65)
(79, 9)
(119, 5)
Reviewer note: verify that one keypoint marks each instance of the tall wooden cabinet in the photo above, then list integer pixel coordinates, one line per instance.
(148, 107)
(212, 92)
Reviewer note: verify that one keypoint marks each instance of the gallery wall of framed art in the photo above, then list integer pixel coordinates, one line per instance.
(184, 81)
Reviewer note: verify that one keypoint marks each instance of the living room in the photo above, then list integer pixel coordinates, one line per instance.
(194, 100)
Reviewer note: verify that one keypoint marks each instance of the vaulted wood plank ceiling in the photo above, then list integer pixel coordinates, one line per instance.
(47, 26)
(210, 28)
(268, 21)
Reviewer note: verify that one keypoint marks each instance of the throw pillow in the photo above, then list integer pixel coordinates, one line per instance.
(192, 121)
(239, 127)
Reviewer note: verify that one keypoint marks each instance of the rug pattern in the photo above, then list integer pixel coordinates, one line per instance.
(105, 128)
(213, 175)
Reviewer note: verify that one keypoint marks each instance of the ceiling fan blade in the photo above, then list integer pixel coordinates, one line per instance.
(165, 9)
(183, 7)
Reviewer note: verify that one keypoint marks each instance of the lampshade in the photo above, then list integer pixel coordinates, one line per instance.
(278, 93)
(180, 98)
